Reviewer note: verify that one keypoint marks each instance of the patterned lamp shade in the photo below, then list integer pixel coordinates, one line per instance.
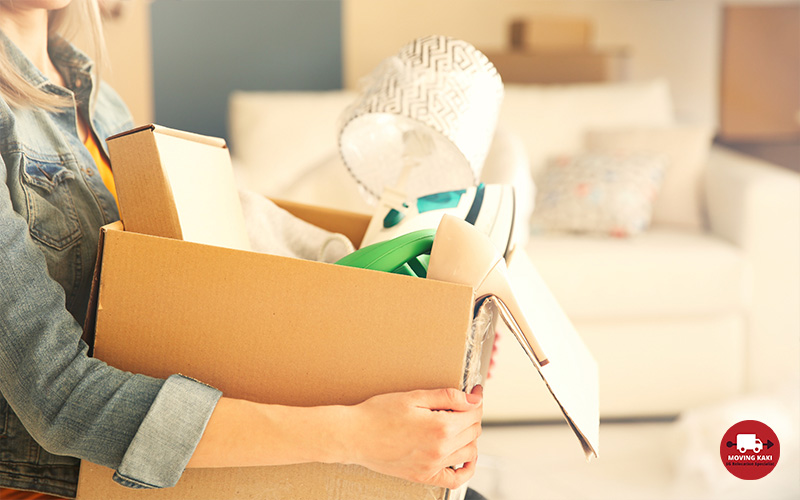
(424, 120)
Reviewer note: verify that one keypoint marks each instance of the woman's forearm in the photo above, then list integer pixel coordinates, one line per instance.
(427, 436)
(242, 433)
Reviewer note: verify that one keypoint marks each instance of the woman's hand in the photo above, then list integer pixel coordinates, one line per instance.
(423, 436)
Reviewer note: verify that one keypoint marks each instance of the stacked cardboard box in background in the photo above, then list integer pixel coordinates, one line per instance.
(544, 50)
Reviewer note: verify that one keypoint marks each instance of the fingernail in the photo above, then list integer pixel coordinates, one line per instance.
(474, 399)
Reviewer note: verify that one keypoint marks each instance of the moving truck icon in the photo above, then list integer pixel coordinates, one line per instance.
(746, 442)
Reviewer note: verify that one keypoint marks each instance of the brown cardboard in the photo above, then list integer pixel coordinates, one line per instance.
(551, 33)
(350, 224)
(177, 185)
(291, 482)
(274, 329)
(220, 315)
(561, 66)
(243, 306)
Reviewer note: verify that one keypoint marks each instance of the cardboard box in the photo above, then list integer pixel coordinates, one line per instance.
(561, 66)
(274, 330)
(279, 330)
(551, 33)
(191, 193)
(261, 327)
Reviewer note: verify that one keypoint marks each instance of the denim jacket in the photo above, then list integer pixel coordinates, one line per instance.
(56, 403)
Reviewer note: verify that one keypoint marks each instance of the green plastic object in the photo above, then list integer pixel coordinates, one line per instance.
(394, 217)
(408, 254)
(439, 201)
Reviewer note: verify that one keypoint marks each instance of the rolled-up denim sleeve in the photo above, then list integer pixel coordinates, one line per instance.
(157, 454)
(145, 428)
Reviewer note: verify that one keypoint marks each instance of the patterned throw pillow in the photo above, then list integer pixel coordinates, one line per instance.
(598, 193)
(686, 147)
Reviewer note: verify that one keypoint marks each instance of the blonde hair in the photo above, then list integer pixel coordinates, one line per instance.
(79, 14)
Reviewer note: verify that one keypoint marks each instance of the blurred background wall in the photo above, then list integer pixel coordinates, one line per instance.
(203, 50)
(176, 61)
(129, 66)
(676, 40)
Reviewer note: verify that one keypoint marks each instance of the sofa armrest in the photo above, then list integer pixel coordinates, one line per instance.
(756, 206)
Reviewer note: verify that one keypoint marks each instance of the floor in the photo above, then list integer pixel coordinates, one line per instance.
(638, 461)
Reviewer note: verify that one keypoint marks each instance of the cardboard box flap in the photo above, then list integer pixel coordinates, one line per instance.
(216, 142)
(91, 310)
(571, 374)
(177, 185)
(351, 224)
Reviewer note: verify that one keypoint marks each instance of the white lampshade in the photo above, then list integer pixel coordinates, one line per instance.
(433, 106)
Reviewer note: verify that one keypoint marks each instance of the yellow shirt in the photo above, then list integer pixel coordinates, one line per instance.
(103, 165)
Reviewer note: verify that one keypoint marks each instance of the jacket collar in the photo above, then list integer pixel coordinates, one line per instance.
(74, 65)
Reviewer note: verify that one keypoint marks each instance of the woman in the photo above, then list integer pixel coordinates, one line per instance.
(58, 191)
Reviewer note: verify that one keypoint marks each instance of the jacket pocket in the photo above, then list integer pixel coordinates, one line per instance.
(52, 217)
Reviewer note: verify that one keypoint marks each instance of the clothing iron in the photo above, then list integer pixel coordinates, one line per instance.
(488, 207)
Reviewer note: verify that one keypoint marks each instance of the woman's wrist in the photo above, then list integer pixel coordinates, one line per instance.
(243, 433)
(323, 433)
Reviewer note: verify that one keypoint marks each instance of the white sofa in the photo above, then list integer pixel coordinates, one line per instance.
(676, 317)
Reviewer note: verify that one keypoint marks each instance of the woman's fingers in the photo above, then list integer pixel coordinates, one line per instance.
(418, 435)
(447, 399)
(477, 390)
(468, 435)
(453, 478)
(462, 456)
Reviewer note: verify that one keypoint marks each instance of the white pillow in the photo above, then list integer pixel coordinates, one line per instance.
(279, 136)
(552, 119)
(687, 146)
(598, 193)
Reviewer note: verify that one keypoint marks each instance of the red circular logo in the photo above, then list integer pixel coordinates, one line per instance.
(750, 450)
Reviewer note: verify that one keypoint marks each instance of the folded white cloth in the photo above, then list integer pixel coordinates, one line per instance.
(275, 231)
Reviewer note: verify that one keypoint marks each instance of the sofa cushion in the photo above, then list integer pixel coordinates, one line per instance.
(660, 273)
(686, 146)
(329, 184)
(552, 119)
(648, 368)
(610, 194)
(284, 135)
